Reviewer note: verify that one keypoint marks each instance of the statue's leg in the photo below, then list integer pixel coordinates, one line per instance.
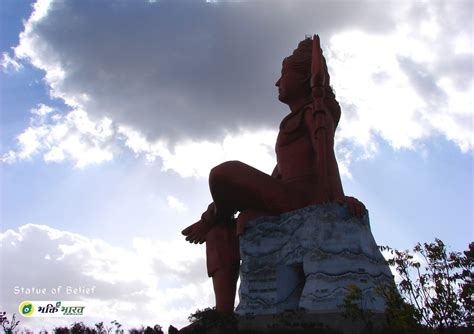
(224, 281)
(223, 263)
(236, 186)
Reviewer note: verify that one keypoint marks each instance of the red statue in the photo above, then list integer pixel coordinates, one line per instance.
(306, 172)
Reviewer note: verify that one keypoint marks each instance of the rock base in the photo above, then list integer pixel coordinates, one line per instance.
(306, 259)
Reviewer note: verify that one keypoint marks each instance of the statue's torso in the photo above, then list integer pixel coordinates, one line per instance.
(296, 166)
(296, 157)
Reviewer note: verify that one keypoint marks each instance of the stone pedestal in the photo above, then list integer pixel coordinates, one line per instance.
(305, 259)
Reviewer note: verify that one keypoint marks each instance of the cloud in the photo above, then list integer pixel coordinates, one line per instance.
(196, 158)
(179, 76)
(172, 65)
(410, 84)
(8, 62)
(64, 137)
(176, 204)
(134, 285)
(72, 136)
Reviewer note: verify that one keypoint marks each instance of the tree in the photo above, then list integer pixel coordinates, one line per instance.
(61, 330)
(355, 307)
(102, 329)
(118, 327)
(157, 329)
(439, 291)
(8, 325)
(80, 328)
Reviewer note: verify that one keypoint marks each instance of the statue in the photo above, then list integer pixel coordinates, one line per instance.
(306, 172)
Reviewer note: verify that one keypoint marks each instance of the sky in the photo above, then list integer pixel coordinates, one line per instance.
(112, 113)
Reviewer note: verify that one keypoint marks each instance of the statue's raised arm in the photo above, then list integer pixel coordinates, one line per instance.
(324, 129)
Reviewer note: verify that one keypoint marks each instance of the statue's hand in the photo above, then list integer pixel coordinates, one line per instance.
(197, 232)
(356, 207)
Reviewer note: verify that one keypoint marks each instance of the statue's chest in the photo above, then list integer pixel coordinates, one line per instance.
(292, 128)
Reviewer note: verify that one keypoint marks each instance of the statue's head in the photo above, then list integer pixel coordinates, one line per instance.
(296, 77)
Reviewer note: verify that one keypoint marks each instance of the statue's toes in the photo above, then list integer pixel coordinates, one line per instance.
(187, 230)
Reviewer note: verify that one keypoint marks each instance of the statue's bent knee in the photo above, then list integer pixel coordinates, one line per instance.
(222, 173)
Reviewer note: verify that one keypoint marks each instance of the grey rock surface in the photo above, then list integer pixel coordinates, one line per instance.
(305, 259)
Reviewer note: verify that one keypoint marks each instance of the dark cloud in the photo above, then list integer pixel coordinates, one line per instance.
(186, 69)
(452, 18)
(422, 80)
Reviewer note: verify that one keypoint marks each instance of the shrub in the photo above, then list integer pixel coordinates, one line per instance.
(438, 293)
(8, 325)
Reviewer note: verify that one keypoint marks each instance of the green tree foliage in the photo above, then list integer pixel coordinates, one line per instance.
(354, 307)
(434, 293)
(436, 283)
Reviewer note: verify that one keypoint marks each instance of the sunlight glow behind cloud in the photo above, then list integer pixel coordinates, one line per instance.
(381, 78)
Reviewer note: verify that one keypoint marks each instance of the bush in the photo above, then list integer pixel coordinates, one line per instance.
(210, 321)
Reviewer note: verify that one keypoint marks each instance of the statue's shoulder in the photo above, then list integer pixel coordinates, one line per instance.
(294, 121)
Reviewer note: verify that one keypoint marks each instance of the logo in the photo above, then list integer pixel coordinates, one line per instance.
(26, 309)
(53, 309)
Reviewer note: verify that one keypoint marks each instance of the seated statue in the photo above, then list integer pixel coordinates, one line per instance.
(306, 172)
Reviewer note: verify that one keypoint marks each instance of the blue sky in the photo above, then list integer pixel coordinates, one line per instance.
(113, 113)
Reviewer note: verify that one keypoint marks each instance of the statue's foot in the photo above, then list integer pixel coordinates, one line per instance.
(197, 232)
(356, 207)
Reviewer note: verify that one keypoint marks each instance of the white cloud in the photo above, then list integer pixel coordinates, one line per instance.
(196, 158)
(42, 110)
(463, 44)
(154, 281)
(392, 90)
(369, 80)
(74, 137)
(176, 204)
(59, 137)
(8, 62)
(455, 118)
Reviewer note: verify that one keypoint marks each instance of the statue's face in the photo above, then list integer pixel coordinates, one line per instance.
(292, 85)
